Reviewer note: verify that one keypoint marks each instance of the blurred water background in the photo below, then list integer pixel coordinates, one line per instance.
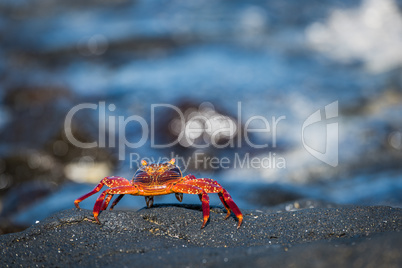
(268, 58)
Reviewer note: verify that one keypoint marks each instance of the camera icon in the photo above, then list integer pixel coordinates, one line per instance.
(330, 155)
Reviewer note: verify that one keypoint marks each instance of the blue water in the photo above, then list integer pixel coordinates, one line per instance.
(255, 54)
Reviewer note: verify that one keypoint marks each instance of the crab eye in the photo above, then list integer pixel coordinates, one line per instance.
(172, 161)
(144, 163)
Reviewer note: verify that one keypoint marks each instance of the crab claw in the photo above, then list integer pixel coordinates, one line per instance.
(149, 200)
(179, 196)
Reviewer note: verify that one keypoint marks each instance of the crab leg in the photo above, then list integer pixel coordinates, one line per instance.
(211, 186)
(225, 205)
(117, 190)
(109, 182)
(116, 201)
(232, 205)
(106, 203)
(211, 181)
(98, 205)
(191, 189)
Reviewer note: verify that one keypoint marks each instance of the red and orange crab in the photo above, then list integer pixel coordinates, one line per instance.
(153, 179)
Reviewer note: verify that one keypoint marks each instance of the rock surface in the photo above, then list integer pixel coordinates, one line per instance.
(169, 235)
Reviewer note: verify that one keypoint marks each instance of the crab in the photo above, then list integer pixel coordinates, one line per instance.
(153, 179)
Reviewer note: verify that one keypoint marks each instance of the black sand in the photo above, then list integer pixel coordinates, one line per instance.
(170, 235)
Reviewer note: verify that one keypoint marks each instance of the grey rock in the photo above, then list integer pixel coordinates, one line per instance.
(170, 235)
